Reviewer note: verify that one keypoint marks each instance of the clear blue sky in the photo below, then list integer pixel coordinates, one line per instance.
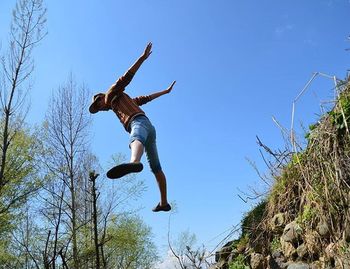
(236, 63)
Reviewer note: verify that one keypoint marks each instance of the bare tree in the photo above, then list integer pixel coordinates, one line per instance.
(67, 128)
(27, 30)
(18, 148)
(187, 255)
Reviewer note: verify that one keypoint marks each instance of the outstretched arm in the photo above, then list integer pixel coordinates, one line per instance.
(148, 51)
(141, 100)
(158, 94)
(123, 81)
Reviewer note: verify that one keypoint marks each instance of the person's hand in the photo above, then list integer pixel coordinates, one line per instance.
(169, 89)
(148, 51)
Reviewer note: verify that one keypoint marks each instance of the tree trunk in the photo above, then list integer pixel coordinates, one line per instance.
(74, 221)
(94, 217)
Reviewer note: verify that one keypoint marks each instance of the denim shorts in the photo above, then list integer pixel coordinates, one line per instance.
(141, 129)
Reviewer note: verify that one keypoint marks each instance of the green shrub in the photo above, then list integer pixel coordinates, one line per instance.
(308, 214)
(338, 118)
(309, 134)
(275, 244)
(242, 242)
(239, 263)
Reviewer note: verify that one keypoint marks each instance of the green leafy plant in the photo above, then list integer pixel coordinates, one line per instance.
(275, 244)
(297, 158)
(308, 214)
(344, 249)
(312, 127)
(239, 263)
(341, 116)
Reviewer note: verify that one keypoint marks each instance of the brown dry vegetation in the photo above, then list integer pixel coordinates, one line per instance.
(313, 186)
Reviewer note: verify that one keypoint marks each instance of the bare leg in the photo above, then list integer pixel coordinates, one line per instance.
(133, 167)
(136, 151)
(161, 180)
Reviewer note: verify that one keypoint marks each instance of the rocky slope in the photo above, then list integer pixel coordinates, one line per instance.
(304, 221)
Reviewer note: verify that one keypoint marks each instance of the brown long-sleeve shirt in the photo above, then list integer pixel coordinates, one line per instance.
(125, 107)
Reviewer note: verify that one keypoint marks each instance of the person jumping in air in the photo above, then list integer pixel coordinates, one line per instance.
(135, 122)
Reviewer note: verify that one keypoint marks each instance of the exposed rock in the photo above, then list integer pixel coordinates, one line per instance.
(330, 251)
(323, 229)
(302, 251)
(288, 249)
(276, 261)
(277, 254)
(257, 261)
(277, 222)
(291, 232)
(298, 266)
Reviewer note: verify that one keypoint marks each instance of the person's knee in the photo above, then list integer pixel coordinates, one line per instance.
(136, 142)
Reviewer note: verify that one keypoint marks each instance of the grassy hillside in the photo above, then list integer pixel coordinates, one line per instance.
(305, 218)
